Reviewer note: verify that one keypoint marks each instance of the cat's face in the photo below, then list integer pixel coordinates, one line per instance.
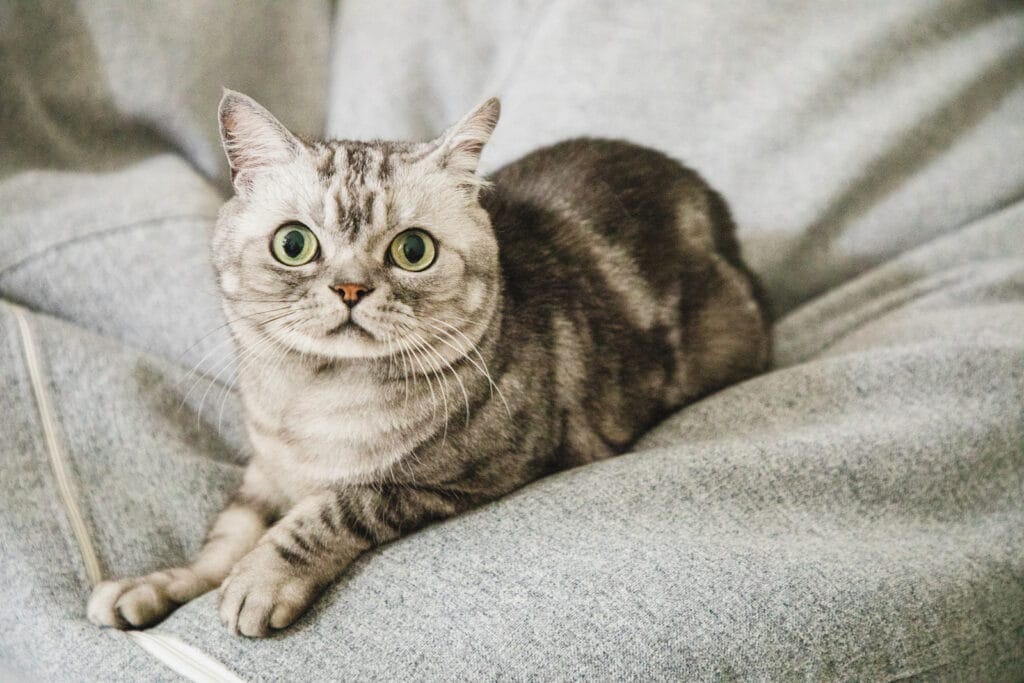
(355, 250)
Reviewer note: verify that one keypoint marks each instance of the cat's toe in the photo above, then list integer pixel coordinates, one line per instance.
(254, 616)
(293, 598)
(144, 605)
(143, 601)
(245, 605)
(102, 606)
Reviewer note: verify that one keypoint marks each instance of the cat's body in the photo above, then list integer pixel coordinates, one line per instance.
(591, 289)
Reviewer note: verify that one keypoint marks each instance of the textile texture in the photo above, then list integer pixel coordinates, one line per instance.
(855, 513)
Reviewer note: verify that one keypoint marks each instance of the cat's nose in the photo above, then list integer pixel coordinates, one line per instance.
(351, 293)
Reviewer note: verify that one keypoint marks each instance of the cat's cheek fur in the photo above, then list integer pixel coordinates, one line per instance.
(440, 283)
(476, 292)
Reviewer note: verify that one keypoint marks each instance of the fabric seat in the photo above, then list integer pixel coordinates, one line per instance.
(855, 513)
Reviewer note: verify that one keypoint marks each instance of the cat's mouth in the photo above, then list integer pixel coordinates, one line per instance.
(349, 326)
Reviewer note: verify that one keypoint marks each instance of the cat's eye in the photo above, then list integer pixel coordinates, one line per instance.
(413, 250)
(294, 244)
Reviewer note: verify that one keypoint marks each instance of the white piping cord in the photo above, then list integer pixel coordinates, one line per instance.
(184, 659)
(53, 446)
(173, 653)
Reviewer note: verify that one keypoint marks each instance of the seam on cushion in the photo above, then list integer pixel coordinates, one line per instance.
(54, 449)
(178, 656)
(145, 223)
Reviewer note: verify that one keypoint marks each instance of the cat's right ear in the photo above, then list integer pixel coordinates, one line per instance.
(252, 138)
(458, 149)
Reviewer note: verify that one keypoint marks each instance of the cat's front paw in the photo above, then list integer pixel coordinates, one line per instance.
(145, 600)
(264, 592)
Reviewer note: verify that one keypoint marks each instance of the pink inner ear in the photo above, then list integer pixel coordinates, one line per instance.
(253, 138)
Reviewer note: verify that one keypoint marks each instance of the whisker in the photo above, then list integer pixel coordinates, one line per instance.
(405, 374)
(225, 324)
(270, 298)
(390, 356)
(216, 347)
(223, 362)
(249, 351)
(223, 347)
(405, 371)
(470, 321)
(444, 395)
(465, 394)
(482, 368)
(242, 365)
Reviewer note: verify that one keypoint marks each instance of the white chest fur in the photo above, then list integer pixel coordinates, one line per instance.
(312, 428)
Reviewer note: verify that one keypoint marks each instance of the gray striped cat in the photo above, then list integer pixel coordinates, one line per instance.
(415, 340)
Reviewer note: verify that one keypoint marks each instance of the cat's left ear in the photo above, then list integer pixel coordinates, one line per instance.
(459, 149)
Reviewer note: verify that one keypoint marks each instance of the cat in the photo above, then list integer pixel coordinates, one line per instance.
(415, 340)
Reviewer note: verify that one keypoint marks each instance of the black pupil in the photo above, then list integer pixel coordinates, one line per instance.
(294, 243)
(414, 248)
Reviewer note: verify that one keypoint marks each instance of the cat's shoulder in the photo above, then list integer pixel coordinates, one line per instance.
(592, 152)
(578, 165)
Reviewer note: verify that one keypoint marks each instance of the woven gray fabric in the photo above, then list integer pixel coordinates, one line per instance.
(855, 513)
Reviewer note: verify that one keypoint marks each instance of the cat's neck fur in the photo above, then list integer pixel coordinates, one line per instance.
(355, 419)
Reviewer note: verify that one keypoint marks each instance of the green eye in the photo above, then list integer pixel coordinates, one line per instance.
(294, 244)
(413, 250)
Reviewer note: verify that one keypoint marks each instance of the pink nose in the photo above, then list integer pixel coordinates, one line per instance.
(351, 292)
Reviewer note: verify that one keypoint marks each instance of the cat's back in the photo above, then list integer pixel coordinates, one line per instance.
(614, 186)
(606, 180)
(624, 264)
(613, 205)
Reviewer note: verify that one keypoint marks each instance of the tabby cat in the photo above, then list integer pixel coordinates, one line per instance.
(415, 340)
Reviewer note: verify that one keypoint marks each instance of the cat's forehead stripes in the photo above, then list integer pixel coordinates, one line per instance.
(357, 175)
(323, 153)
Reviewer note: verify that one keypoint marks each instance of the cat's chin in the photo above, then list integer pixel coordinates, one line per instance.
(345, 341)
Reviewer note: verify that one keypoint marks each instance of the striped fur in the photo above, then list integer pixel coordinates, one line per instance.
(579, 295)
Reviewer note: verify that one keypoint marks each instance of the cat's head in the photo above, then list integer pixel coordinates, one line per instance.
(347, 249)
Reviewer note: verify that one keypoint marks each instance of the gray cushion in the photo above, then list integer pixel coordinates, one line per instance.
(855, 513)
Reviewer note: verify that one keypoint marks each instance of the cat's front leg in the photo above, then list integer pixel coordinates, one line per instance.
(307, 549)
(145, 600)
